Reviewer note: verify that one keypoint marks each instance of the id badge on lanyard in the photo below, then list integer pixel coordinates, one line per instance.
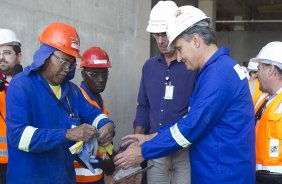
(169, 91)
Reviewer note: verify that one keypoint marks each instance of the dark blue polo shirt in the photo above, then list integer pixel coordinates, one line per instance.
(153, 110)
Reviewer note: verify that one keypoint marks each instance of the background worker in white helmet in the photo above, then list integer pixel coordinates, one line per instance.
(219, 127)
(95, 64)
(164, 92)
(10, 56)
(253, 80)
(268, 114)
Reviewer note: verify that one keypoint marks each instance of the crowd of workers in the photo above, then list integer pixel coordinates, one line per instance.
(199, 118)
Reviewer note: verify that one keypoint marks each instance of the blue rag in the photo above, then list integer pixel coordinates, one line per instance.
(88, 153)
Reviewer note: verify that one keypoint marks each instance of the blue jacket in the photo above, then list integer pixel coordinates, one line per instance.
(153, 110)
(37, 125)
(219, 126)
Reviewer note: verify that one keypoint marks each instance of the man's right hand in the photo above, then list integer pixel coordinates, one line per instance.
(82, 132)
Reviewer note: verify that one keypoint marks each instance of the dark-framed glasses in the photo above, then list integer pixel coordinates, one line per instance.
(94, 74)
(65, 64)
(6, 53)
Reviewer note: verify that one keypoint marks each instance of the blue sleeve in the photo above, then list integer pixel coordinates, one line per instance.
(19, 122)
(207, 104)
(142, 117)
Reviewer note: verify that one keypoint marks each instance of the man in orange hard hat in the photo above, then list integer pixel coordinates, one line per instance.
(46, 113)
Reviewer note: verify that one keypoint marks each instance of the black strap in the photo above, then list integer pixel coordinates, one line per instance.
(260, 110)
(2, 117)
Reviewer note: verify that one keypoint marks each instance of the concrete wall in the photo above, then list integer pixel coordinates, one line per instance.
(117, 26)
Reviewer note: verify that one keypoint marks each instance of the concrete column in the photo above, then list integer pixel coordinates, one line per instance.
(209, 7)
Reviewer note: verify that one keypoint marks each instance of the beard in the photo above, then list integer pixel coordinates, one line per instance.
(4, 67)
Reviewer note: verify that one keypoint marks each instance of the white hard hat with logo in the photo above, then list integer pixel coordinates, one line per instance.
(8, 36)
(270, 54)
(252, 66)
(184, 17)
(159, 14)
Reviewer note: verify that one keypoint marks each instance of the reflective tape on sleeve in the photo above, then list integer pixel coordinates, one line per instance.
(26, 138)
(178, 137)
(98, 119)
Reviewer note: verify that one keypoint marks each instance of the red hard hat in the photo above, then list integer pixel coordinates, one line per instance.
(95, 57)
(63, 37)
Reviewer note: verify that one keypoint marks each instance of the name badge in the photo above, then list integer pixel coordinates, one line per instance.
(169, 92)
(274, 148)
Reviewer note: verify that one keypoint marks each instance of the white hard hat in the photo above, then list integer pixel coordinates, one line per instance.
(8, 36)
(270, 54)
(252, 66)
(159, 14)
(184, 17)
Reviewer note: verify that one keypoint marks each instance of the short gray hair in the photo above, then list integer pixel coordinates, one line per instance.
(203, 29)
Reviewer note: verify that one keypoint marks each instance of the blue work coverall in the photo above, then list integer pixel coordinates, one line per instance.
(219, 127)
(37, 123)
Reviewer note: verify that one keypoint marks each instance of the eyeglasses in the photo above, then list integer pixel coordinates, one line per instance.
(157, 35)
(96, 74)
(66, 64)
(6, 53)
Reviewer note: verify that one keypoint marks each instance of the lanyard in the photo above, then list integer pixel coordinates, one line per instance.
(68, 109)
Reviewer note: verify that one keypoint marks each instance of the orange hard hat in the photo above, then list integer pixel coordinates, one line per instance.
(95, 57)
(63, 37)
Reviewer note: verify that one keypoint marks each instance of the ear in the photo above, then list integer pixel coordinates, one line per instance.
(271, 71)
(196, 39)
(20, 56)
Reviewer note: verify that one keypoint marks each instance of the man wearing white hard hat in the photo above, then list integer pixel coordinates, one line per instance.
(165, 89)
(10, 58)
(217, 128)
(253, 80)
(268, 114)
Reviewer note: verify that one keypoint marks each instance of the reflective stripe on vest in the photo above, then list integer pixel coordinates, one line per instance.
(4, 153)
(3, 139)
(277, 168)
(3, 150)
(85, 175)
(268, 134)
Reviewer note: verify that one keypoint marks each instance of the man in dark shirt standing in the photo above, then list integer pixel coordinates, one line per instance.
(165, 88)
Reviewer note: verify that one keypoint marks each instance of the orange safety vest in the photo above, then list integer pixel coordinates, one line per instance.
(254, 85)
(84, 175)
(269, 136)
(93, 102)
(3, 138)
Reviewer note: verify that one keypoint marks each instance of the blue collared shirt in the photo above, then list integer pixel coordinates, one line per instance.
(153, 110)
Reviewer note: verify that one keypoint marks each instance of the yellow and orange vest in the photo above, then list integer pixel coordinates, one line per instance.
(269, 135)
(3, 138)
